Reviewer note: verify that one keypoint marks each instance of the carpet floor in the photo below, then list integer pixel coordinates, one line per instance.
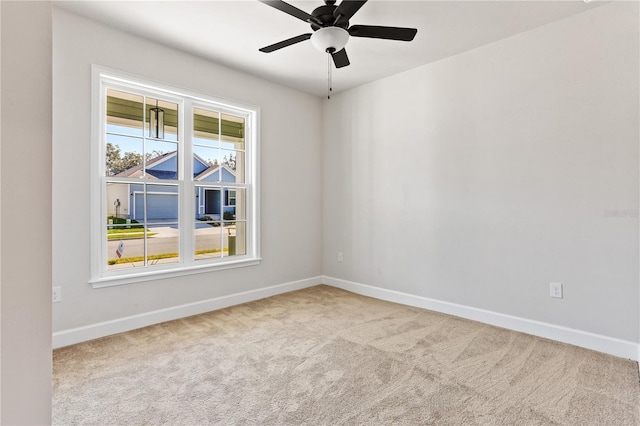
(324, 356)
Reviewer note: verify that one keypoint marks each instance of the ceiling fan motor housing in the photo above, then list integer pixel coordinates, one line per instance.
(325, 15)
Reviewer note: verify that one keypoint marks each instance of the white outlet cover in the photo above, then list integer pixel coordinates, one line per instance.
(56, 294)
(555, 290)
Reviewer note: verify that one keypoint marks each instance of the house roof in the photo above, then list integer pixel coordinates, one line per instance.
(154, 161)
(212, 169)
(136, 171)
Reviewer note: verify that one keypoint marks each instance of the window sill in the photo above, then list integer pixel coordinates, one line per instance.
(111, 281)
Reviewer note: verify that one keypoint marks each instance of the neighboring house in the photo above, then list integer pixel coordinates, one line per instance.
(127, 200)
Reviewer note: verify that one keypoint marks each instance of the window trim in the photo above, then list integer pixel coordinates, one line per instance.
(187, 264)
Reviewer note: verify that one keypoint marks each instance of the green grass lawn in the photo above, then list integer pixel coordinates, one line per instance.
(127, 234)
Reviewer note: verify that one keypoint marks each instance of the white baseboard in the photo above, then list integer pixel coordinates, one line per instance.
(600, 343)
(107, 328)
(596, 342)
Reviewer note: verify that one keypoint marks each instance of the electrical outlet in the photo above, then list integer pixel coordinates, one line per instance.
(556, 290)
(340, 257)
(56, 294)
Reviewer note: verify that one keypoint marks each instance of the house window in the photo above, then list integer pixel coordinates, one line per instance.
(175, 185)
(230, 197)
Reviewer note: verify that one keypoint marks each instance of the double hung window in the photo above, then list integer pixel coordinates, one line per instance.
(175, 185)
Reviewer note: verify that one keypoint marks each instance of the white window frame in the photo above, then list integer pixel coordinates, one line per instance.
(102, 78)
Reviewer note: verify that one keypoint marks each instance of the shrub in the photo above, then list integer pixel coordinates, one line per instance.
(121, 221)
(210, 220)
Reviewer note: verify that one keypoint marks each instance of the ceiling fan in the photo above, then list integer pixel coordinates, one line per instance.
(330, 24)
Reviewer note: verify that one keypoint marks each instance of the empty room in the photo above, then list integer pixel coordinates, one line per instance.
(320, 212)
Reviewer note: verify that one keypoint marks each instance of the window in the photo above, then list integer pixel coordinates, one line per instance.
(230, 197)
(174, 189)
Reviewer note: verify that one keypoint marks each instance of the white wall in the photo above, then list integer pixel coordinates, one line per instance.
(290, 175)
(482, 178)
(25, 262)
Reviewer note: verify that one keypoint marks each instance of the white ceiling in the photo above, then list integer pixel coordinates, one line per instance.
(231, 32)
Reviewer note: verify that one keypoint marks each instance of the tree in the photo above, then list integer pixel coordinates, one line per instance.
(230, 162)
(118, 162)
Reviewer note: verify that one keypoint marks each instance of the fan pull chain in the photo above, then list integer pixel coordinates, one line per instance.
(329, 75)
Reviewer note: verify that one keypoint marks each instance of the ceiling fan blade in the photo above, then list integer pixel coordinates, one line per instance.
(346, 10)
(291, 10)
(285, 43)
(340, 58)
(389, 33)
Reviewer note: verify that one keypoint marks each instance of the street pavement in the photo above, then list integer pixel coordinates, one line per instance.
(166, 241)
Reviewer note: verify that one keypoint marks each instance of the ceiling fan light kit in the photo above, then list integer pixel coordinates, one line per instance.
(330, 24)
(330, 39)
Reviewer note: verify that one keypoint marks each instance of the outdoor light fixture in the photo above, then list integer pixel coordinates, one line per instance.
(330, 39)
(156, 122)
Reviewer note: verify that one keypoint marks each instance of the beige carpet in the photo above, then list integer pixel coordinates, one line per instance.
(323, 356)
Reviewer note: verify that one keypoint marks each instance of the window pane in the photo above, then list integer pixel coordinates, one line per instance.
(125, 250)
(162, 120)
(162, 243)
(240, 166)
(232, 132)
(124, 113)
(117, 202)
(208, 242)
(209, 203)
(206, 164)
(233, 166)
(228, 160)
(206, 127)
(125, 236)
(235, 205)
(162, 203)
(123, 156)
(234, 238)
(162, 224)
(162, 160)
